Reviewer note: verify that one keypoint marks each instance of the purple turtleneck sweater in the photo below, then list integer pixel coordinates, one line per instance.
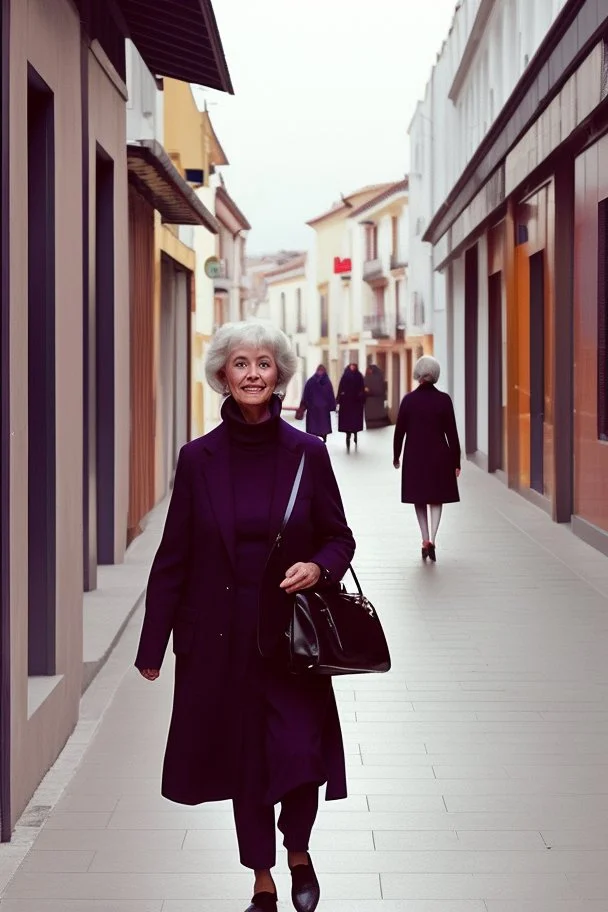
(253, 455)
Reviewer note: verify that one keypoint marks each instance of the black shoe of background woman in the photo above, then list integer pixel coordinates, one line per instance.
(263, 902)
(305, 890)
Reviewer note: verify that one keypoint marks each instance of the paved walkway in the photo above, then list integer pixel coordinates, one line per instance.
(478, 767)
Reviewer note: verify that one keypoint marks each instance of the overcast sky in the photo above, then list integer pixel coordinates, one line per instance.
(325, 91)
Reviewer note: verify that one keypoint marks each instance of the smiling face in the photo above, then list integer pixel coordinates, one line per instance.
(252, 375)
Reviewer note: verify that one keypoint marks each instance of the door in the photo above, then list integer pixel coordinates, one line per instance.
(5, 643)
(396, 390)
(537, 371)
(495, 374)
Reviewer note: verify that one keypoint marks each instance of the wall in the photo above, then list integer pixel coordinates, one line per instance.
(143, 108)
(590, 453)
(48, 35)
(107, 128)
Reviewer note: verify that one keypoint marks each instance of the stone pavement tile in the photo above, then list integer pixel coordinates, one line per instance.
(80, 905)
(68, 862)
(409, 771)
(345, 905)
(590, 886)
(567, 905)
(403, 840)
(77, 821)
(97, 840)
(594, 837)
(472, 886)
(174, 886)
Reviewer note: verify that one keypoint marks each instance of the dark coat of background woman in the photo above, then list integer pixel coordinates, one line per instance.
(319, 401)
(351, 401)
(432, 449)
(376, 414)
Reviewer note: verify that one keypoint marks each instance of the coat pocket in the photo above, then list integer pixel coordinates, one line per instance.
(183, 630)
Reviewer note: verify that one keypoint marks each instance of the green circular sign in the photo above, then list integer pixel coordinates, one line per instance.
(212, 267)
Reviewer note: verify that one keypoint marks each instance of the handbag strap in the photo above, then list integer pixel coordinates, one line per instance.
(292, 498)
(289, 510)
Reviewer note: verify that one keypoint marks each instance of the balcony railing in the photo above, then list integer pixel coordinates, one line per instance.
(372, 268)
(377, 325)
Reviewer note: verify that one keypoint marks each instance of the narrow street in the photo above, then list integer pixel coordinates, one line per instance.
(478, 767)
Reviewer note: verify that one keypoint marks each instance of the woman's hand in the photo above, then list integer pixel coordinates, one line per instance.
(301, 576)
(457, 473)
(150, 674)
(396, 464)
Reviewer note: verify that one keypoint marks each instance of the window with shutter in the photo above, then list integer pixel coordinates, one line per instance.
(602, 322)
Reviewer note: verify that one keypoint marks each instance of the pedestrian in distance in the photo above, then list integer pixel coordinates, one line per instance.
(376, 414)
(243, 728)
(318, 402)
(351, 403)
(431, 455)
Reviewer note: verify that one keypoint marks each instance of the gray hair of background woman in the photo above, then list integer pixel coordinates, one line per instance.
(257, 334)
(427, 370)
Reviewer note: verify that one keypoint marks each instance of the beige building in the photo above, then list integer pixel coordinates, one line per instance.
(65, 341)
(329, 280)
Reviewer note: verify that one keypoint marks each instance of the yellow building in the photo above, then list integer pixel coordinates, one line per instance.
(196, 152)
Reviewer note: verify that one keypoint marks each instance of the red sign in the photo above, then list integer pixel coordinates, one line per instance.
(341, 266)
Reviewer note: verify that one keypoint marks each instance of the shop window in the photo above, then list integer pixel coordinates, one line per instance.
(602, 313)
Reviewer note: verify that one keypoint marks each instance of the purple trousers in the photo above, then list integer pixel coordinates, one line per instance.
(255, 826)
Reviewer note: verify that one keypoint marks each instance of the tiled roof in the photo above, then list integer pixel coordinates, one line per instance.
(344, 205)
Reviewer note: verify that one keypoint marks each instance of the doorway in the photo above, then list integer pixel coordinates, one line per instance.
(471, 322)
(396, 383)
(537, 371)
(495, 374)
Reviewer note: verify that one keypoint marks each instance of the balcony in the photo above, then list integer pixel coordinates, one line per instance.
(398, 261)
(376, 325)
(372, 269)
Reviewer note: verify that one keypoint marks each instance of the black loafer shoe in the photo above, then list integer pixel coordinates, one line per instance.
(305, 890)
(263, 902)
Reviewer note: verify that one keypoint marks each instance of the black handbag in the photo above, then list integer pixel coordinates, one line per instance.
(332, 631)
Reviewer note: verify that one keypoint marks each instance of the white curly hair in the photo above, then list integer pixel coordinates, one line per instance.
(427, 369)
(257, 333)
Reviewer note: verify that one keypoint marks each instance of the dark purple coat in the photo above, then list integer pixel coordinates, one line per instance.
(351, 400)
(432, 449)
(319, 401)
(192, 595)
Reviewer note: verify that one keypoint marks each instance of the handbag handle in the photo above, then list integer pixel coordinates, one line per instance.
(289, 510)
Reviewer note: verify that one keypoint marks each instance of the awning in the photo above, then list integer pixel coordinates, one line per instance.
(180, 39)
(159, 181)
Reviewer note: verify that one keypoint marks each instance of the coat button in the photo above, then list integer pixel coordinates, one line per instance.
(227, 588)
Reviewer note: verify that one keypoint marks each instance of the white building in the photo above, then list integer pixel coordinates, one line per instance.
(287, 308)
(488, 48)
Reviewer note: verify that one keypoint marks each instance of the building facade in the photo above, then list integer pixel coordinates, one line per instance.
(65, 346)
(358, 289)
(287, 308)
(520, 237)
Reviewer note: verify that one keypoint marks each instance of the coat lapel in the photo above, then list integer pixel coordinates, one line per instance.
(219, 488)
(288, 460)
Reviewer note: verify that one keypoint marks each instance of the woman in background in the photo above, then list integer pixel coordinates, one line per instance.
(351, 402)
(431, 457)
(376, 414)
(318, 401)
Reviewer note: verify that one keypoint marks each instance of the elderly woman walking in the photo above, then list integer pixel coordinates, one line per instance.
(431, 457)
(351, 402)
(242, 727)
(318, 401)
